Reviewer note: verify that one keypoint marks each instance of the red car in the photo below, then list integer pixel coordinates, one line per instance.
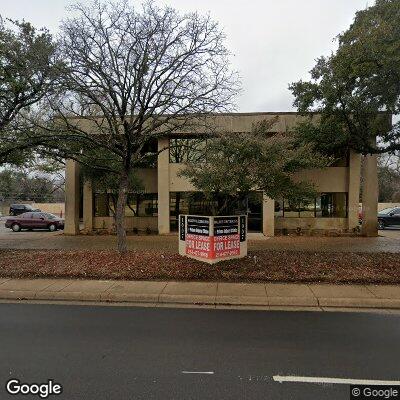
(35, 220)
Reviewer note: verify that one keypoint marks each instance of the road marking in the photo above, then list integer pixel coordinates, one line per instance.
(199, 372)
(339, 381)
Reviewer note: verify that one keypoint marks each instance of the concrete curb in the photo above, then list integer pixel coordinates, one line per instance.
(171, 299)
(266, 296)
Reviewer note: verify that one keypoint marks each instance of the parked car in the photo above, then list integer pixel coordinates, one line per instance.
(389, 217)
(35, 220)
(17, 209)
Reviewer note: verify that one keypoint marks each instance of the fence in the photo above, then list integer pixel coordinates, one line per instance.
(53, 208)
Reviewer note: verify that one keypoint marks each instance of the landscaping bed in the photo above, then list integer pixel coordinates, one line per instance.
(258, 266)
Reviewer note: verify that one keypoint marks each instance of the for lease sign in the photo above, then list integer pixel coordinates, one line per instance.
(212, 247)
(212, 238)
(226, 246)
(199, 246)
(226, 237)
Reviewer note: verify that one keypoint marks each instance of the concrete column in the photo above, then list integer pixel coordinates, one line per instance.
(88, 206)
(354, 190)
(370, 196)
(163, 187)
(71, 198)
(268, 216)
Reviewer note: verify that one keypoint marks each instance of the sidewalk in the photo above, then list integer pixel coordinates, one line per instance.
(267, 296)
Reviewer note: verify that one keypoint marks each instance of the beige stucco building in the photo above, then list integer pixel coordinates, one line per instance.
(165, 194)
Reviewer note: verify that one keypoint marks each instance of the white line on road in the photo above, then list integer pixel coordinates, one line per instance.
(340, 381)
(199, 372)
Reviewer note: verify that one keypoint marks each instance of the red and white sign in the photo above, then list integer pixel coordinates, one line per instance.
(212, 246)
(226, 246)
(212, 239)
(199, 246)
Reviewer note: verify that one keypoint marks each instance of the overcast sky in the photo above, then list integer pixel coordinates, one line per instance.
(275, 42)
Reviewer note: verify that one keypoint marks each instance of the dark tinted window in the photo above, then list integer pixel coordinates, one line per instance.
(396, 211)
(49, 216)
(26, 215)
(327, 205)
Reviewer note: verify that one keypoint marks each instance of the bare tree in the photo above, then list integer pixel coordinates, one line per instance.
(136, 74)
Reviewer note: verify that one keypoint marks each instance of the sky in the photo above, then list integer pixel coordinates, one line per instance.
(274, 42)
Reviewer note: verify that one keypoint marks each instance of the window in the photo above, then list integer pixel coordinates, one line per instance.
(327, 205)
(307, 209)
(326, 209)
(49, 216)
(334, 205)
(291, 209)
(138, 205)
(279, 208)
(147, 205)
(196, 150)
(177, 150)
(26, 215)
(197, 203)
(186, 150)
(101, 205)
(150, 154)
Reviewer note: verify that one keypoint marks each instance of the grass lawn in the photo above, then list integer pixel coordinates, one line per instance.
(258, 266)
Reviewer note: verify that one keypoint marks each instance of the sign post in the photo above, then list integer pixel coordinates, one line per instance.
(213, 239)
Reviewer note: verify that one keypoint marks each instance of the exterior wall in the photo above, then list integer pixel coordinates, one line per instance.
(88, 206)
(148, 176)
(165, 179)
(332, 179)
(178, 183)
(268, 212)
(370, 196)
(242, 122)
(354, 191)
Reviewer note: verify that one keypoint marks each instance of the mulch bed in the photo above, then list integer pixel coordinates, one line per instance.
(258, 266)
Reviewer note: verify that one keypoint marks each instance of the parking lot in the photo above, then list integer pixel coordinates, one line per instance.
(8, 236)
(388, 241)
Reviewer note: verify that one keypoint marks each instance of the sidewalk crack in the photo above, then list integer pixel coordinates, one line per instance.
(316, 298)
(162, 290)
(373, 294)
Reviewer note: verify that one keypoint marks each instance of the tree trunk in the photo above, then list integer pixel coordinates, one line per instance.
(120, 213)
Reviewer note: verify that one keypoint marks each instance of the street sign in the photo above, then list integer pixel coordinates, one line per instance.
(213, 239)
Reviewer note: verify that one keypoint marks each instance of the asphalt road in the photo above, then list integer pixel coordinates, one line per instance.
(143, 353)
